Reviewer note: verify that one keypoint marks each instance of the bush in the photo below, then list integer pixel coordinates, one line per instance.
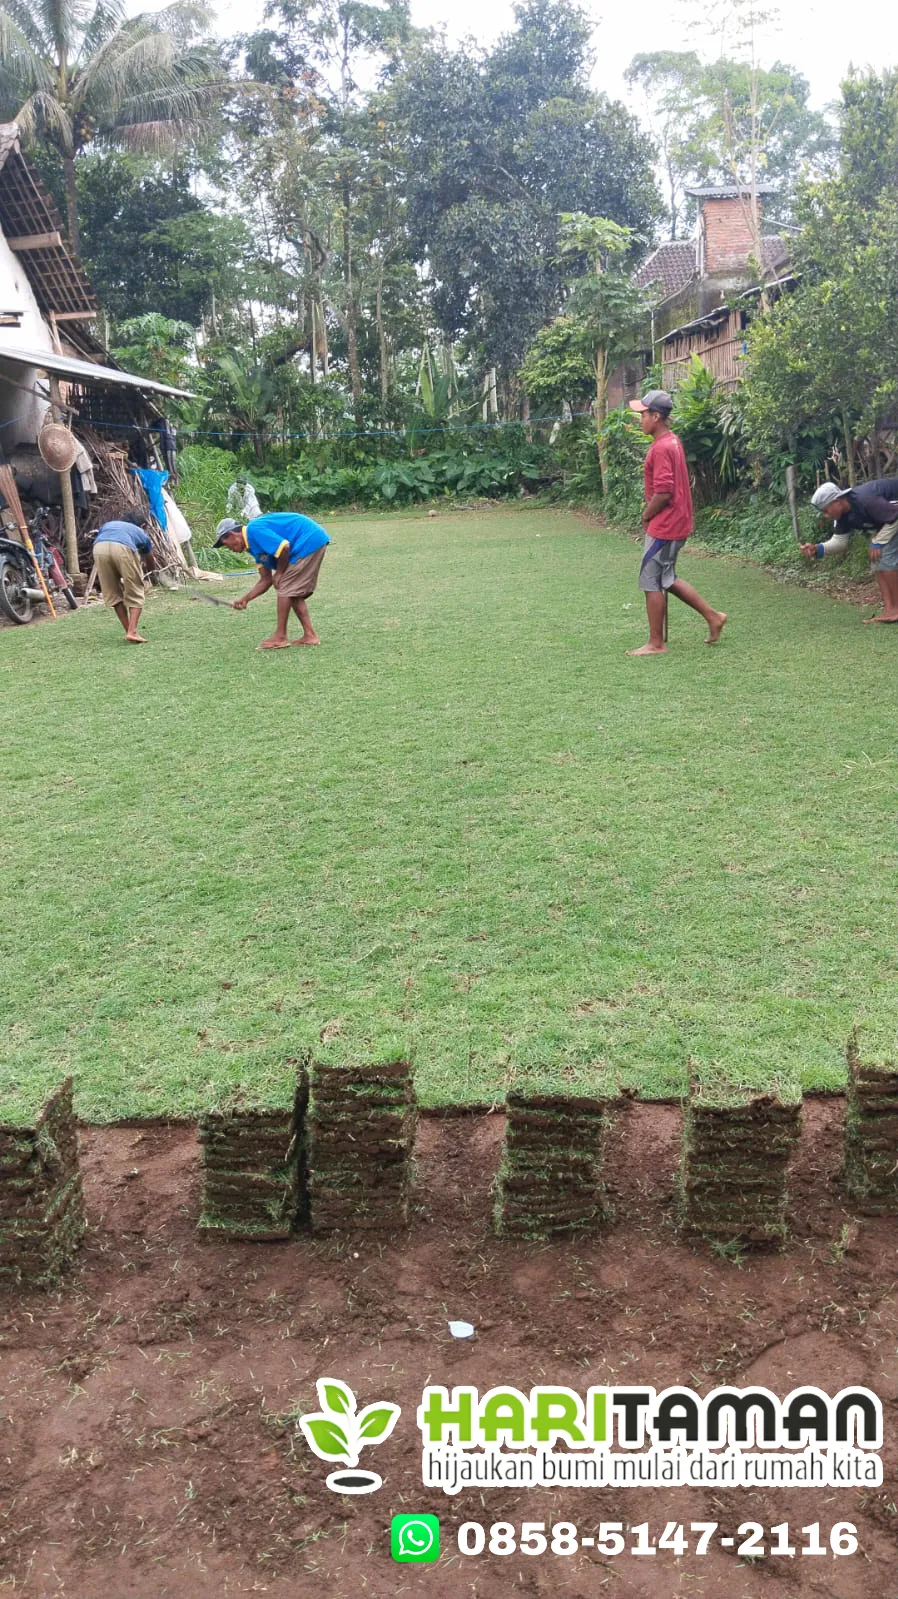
(760, 529)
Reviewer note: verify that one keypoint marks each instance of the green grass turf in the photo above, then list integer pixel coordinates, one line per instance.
(467, 825)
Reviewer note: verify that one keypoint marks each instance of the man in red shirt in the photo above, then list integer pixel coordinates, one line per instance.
(667, 519)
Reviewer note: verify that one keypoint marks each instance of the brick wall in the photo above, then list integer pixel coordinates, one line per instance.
(726, 235)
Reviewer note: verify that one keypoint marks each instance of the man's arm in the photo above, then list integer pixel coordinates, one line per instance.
(656, 505)
(266, 579)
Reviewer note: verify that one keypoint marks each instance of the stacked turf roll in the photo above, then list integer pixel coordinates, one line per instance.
(41, 1201)
(361, 1130)
(549, 1178)
(871, 1124)
(254, 1165)
(736, 1150)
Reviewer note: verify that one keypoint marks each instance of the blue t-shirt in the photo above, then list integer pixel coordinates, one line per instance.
(268, 536)
(136, 538)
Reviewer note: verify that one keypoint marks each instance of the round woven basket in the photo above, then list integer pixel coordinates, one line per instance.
(57, 446)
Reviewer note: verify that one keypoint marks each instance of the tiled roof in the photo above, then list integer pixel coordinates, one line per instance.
(671, 266)
(777, 251)
(28, 212)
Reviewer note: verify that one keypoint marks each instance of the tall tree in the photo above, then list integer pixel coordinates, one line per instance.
(498, 146)
(72, 73)
(730, 121)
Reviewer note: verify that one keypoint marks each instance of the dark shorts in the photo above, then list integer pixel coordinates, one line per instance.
(659, 564)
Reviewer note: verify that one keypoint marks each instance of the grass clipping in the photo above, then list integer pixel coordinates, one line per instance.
(737, 1145)
(871, 1126)
(41, 1200)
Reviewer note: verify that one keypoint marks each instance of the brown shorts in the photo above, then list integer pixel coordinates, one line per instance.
(120, 574)
(301, 579)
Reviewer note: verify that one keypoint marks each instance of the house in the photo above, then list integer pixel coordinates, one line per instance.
(707, 287)
(47, 316)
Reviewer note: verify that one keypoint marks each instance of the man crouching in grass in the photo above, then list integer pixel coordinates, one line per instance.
(288, 549)
(668, 522)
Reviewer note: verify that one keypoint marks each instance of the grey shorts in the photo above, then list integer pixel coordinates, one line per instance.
(888, 561)
(659, 564)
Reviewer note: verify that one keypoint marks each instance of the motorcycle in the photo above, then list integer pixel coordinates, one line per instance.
(20, 588)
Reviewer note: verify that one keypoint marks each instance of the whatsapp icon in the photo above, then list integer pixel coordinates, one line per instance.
(415, 1540)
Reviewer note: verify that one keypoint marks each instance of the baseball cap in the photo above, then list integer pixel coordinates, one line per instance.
(225, 526)
(656, 400)
(825, 495)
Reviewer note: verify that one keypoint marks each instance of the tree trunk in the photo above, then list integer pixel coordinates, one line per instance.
(849, 451)
(381, 337)
(601, 413)
(352, 348)
(71, 203)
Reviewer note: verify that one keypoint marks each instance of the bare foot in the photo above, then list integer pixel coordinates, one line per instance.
(274, 643)
(313, 640)
(883, 617)
(135, 638)
(649, 649)
(716, 627)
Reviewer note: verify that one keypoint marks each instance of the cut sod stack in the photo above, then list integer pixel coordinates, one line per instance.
(871, 1126)
(361, 1136)
(736, 1150)
(254, 1163)
(41, 1202)
(549, 1178)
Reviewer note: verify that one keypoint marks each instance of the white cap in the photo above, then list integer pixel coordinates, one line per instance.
(825, 495)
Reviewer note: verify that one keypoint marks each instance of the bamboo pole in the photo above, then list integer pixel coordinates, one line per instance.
(11, 495)
(65, 485)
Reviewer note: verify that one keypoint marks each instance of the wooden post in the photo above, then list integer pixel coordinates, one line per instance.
(793, 502)
(68, 503)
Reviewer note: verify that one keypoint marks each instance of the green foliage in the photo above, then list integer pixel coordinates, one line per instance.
(72, 72)
(150, 245)
(719, 121)
(625, 451)
(709, 425)
(158, 347)
(556, 369)
(825, 359)
(497, 147)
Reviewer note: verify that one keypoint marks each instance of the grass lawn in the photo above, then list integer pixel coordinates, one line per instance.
(468, 820)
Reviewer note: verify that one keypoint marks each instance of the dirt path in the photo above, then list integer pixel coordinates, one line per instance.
(147, 1449)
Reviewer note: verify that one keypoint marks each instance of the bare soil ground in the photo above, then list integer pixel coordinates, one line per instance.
(147, 1448)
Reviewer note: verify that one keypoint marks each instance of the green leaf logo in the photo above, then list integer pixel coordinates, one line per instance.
(337, 1432)
(376, 1423)
(335, 1397)
(327, 1439)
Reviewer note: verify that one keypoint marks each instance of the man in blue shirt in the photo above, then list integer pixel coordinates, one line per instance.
(122, 552)
(288, 549)
(867, 508)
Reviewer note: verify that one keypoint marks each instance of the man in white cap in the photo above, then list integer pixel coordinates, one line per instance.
(867, 508)
(667, 520)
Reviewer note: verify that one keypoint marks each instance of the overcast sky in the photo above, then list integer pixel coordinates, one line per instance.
(820, 37)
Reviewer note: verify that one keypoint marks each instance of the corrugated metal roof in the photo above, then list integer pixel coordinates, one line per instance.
(66, 366)
(730, 191)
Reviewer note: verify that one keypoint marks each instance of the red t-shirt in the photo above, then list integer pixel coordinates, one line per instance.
(666, 472)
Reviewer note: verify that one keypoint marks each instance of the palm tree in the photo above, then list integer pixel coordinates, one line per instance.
(76, 70)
